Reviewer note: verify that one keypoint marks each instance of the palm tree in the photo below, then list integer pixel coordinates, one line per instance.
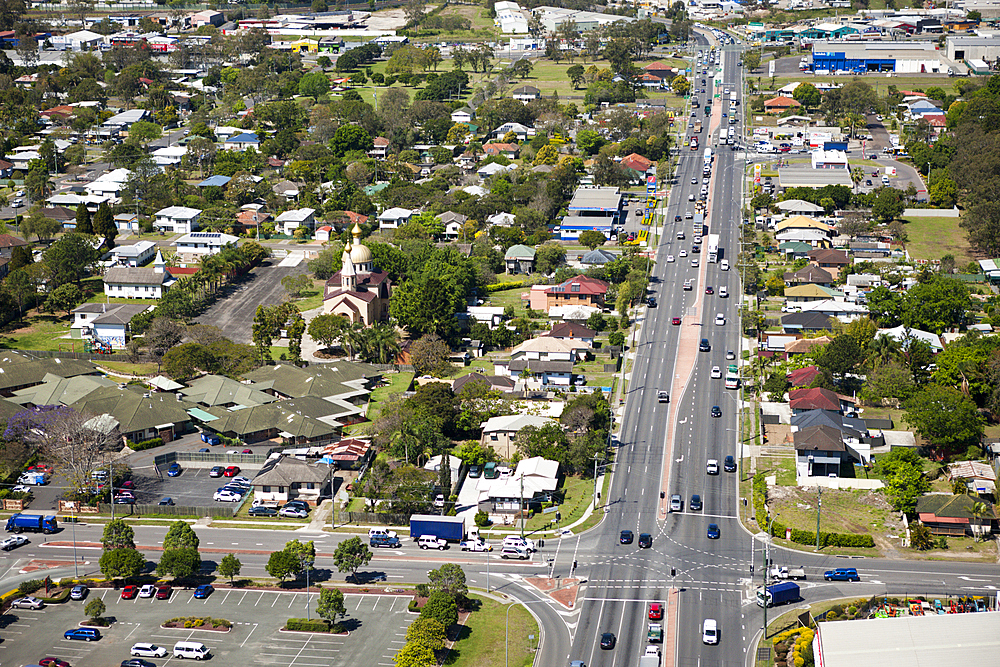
(882, 350)
(857, 175)
(981, 511)
(383, 341)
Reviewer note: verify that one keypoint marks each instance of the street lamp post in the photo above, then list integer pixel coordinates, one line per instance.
(767, 561)
(307, 565)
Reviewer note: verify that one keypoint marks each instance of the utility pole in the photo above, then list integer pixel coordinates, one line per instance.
(819, 511)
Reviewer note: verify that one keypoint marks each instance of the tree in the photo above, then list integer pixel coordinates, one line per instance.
(904, 481)
(65, 298)
(180, 535)
(807, 95)
(449, 579)
(891, 381)
(944, 416)
(95, 608)
(314, 85)
(841, 355)
(20, 257)
(328, 329)
(230, 566)
(415, 654)
(331, 604)
(37, 224)
(163, 334)
(84, 224)
(575, 75)
(888, 205)
(37, 181)
(304, 551)
(351, 555)
(546, 155)
(121, 563)
(589, 141)
(921, 538)
(143, 132)
(681, 85)
(104, 222)
(441, 607)
(282, 565)
(549, 257)
(70, 258)
(591, 238)
(296, 285)
(429, 355)
(118, 535)
(751, 60)
(181, 563)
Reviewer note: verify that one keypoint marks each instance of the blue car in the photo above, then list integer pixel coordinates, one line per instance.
(713, 531)
(203, 591)
(174, 470)
(86, 634)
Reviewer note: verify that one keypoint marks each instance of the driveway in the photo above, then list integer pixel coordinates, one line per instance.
(234, 311)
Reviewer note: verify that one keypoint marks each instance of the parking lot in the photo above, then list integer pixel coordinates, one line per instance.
(377, 625)
(193, 487)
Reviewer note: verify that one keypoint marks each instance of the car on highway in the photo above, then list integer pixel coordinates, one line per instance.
(626, 537)
(683, 253)
(716, 411)
(712, 467)
(655, 611)
(704, 346)
(476, 545)
(716, 372)
(710, 631)
(129, 592)
(694, 262)
(730, 464)
(203, 591)
(216, 471)
(662, 396)
(720, 319)
(709, 290)
(842, 574)
(78, 592)
(695, 503)
(144, 650)
(676, 504)
(608, 641)
(293, 512)
(723, 292)
(163, 592)
(174, 470)
(387, 542)
(27, 603)
(645, 540)
(688, 286)
(730, 354)
(13, 542)
(261, 510)
(670, 258)
(651, 301)
(713, 531)
(694, 180)
(675, 321)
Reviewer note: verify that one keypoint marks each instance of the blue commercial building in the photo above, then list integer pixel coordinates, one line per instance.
(906, 57)
(592, 208)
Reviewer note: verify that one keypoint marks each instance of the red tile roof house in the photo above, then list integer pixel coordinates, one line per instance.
(579, 291)
(509, 151)
(662, 70)
(800, 400)
(828, 258)
(637, 165)
(780, 103)
(380, 147)
(803, 377)
(952, 515)
(356, 218)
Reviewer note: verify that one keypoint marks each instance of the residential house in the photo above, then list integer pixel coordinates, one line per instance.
(804, 345)
(803, 377)
(842, 310)
(18, 371)
(109, 185)
(598, 257)
(805, 322)
(343, 382)
(578, 291)
(6, 169)
(533, 482)
(169, 156)
(177, 219)
(57, 390)
(289, 221)
(661, 70)
(316, 423)
(818, 398)
(809, 275)
(501, 219)
(820, 451)
(127, 282)
(137, 414)
(7, 244)
(134, 255)
(394, 218)
(492, 169)
(542, 361)
(126, 119)
(636, 166)
(241, 142)
(215, 181)
(780, 103)
(454, 224)
(359, 291)
(252, 218)
(954, 516)
(828, 258)
(808, 293)
(348, 454)
(572, 331)
(500, 433)
(979, 478)
(221, 391)
(526, 94)
(463, 115)
(493, 382)
(522, 132)
(126, 222)
(323, 233)
(519, 259)
(509, 151)
(380, 148)
(64, 216)
(904, 335)
(191, 247)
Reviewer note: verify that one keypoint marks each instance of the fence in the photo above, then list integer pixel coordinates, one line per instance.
(226, 511)
(375, 518)
(87, 356)
(222, 457)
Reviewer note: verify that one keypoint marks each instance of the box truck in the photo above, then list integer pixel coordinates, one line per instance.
(450, 528)
(775, 594)
(33, 523)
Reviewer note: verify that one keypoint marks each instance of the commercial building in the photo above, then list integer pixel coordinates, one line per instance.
(911, 57)
(980, 47)
(592, 208)
(552, 17)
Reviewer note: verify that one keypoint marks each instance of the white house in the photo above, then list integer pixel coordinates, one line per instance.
(138, 283)
(500, 432)
(127, 119)
(198, 244)
(169, 156)
(523, 132)
(493, 168)
(289, 221)
(241, 142)
(177, 219)
(134, 255)
(463, 115)
(501, 219)
(323, 233)
(394, 218)
(107, 322)
(80, 40)
(110, 184)
(223, 132)
(532, 483)
(526, 94)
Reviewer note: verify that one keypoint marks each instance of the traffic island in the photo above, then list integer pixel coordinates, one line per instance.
(561, 590)
(195, 623)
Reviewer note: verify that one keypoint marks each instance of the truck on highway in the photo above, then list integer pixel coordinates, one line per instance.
(775, 594)
(713, 248)
(450, 528)
(649, 661)
(786, 572)
(33, 523)
(697, 127)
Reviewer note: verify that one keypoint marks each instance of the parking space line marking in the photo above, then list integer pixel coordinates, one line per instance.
(259, 599)
(359, 602)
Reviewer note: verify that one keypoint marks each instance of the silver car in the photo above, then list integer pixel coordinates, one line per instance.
(27, 603)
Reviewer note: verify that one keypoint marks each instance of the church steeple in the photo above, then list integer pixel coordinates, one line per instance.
(348, 274)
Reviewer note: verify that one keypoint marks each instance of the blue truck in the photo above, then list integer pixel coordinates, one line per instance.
(33, 523)
(451, 528)
(775, 594)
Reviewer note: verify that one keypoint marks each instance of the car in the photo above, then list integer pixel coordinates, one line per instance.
(691, 197)
(17, 203)
(263, 511)
(680, 236)
(21, 488)
(247, 451)
(694, 262)
(683, 253)
(607, 640)
(716, 411)
(688, 286)
(53, 662)
(216, 471)
(694, 181)
(712, 467)
(655, 611)
(242, 480)
(147, 591)
(124, 500)
(626, 537)
(645, 540)
(662, 396)
(704, 346)
(128, 485)
(41, 467)
(13, 542)
(842, 574)
(476, 545)
(475, 471)
(730, 464)
(136, 662)
(203, 591)
(723, 292)
(129, 592)
(677, 218)
(300, 504)
(86, 634)
(720, 320)
(716, 372)
(676, 503)
(231, 471)
(174, 470)
(710, 631)
(695, 503)
(166, 501)
(204, 450)
(28, 603)
(163, 592)
(78, 592)
(675, 321)
(651, 302)
(730, 354)
(145, 650)
(388, 541)
(709, 290)
(688, 215)
(227, 496)
(293, 512)
(713, 531)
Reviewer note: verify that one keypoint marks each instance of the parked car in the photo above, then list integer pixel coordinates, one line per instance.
(163, 592)
(293, 512)
(174, 470)
(475, 471)
(261, 510)
(129, 592)
(227, 496)
(300, 504)
(656, 611)
(85, 634)
(28, 603)
(216, 471)
(231, 471)
(78, 592)
(166, 501)
(145, 650)
(147, 591)
(136, 662)
(52, 662)
(203, 591)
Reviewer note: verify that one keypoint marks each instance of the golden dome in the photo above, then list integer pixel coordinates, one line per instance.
(360, 254)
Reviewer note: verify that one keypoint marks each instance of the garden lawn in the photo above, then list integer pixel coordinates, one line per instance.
(933, 238)
(41, 332)
(396, 383)
(490, 632)
(577, 492)
(843, 511)
(129, 369)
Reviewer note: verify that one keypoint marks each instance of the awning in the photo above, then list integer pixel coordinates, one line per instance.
(201, 415)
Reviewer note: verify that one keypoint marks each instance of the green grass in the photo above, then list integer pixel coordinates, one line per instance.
(41, 332)
(495, 635)
(933, 238)
(396, 383)
(129, 369)
(844, 511)
(578, 493)
(311, 299)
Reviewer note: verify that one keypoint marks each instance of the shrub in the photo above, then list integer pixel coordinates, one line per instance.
(146, 444)
(413, 606)
(30, 586)
(304, 625)
(482, 519)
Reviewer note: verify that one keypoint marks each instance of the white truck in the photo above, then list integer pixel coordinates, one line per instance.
(649, 660)
(786, 572)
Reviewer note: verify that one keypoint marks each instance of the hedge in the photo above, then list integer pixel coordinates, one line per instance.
(304, 625)
(146, 444)
(500, 287)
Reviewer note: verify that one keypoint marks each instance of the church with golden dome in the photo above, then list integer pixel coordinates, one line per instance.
(359, 291)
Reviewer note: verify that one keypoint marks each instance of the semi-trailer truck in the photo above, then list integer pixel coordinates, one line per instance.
(33, 523)
(776, 594)
(450, 528)
(713, 248)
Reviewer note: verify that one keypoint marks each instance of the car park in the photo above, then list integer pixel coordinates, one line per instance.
(626, 537)
(13, 542)
(716, 372)
(203, 591)
(645, 540)
(144, 650)
(293, 512)
(730, 464)
(608, 641)
(174, 470)
(84, 634)
(261, 510)
(78, 592)
(712, 467)
(129, 592)
(713, 531)
(163, 592)
(216, 471)
(676, 503)
(695, 503)
(28, 602)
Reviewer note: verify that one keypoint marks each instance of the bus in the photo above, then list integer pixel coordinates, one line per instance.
(708, 155)
(694, 143)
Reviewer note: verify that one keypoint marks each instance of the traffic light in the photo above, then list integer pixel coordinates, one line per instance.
(673, 572)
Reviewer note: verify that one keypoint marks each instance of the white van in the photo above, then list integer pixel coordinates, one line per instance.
(519, 542)
(710, 631)
(195, 650)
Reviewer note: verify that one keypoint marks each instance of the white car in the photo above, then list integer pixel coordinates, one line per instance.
(21, 488)
(476, 545)
(519, 542)
(670, 258)
(144, 650)
(694, 262)
(720, 319)
(226, 496)
(13, 542)
(694, 180)
(27, 603)
(712, 467)
(293, 512)
(723, 292)
(241, 480)
(716, 372)
(710, 631)
(683, 253)
(147, 591)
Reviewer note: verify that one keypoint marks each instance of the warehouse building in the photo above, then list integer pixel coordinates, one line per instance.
(973, 48)
(552, 17)
(902, 57)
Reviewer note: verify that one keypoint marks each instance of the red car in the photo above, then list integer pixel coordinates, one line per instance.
(675, 321)
(53, 662)
(709, 290)
(248, 451)
(163, 592)
(41, 467)
(232, 471)
(129, 592)
(655, 611)
(128, 484)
